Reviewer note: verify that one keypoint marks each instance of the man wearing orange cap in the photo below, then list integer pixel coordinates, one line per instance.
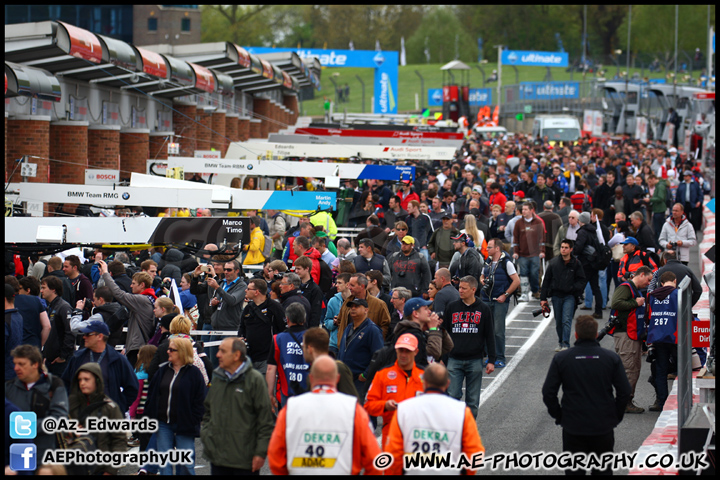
(394, 384)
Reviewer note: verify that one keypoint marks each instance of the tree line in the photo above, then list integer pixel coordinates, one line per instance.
(438, 34)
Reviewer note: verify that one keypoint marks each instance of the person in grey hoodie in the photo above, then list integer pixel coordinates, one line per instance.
(226, 301)
(140, 304)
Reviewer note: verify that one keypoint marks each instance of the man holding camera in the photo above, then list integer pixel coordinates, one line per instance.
(628, 306)
(564, 281)
(499, 280)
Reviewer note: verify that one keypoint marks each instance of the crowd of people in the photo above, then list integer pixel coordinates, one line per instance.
(424, 286)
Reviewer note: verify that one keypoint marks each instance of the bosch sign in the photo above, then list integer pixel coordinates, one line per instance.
(101, 177)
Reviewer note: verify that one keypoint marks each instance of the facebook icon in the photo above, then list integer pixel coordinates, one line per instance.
(23, 457)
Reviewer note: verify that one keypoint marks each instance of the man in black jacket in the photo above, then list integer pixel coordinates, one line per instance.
(564, 281)
(55, 269)
(110, 311)
(604, 197)
(310, 290)
(260, 320)
(470, 263)
(588, 374)
(409, 268)
(585, 245)
(60, 345)
(119, 274)
(643, 233)
(290, 293)
(632, 195)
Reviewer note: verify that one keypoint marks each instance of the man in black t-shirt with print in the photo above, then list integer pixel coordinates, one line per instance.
(470, 325)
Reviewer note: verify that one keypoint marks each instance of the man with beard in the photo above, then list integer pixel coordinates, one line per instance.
(409, 269)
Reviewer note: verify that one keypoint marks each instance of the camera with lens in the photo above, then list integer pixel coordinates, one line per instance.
(167, 284)
(278, 276)
(545, 310)
(651, 354)
(612, 323)
(487, 288)
(673, 245)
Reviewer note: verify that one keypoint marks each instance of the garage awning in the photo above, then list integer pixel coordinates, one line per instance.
(31, 82)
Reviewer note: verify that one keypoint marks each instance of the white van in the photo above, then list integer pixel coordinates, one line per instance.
(491, 131)
(557, 127)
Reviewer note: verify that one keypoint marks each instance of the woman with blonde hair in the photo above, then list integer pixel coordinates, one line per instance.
(475, 234)
(175, 400)
(180, 327)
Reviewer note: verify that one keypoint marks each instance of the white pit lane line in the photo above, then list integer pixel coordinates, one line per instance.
(499, 378)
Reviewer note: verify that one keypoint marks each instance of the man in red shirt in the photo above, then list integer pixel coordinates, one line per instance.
(406, 194)
(497, 197)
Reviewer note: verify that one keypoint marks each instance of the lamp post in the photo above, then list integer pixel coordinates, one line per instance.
(499, 87)
(627, 54)
(675, 59)
(362, 85)
(482, 71)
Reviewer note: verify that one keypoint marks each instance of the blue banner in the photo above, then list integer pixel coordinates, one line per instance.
(300, 200)
(479, 97)
(387, 172)
(534, 59)
(384, 63)
(435, 97)
(549, 90)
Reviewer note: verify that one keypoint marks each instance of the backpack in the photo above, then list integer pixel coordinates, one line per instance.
(118, 319)
(669, 201)
(586, 204)
(267, 247)
(326, 276)
(599, 256)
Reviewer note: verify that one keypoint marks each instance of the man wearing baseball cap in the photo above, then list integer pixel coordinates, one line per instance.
(360, 339)
(633, 259)
(118, 375)
(394, 384)
(408, 268)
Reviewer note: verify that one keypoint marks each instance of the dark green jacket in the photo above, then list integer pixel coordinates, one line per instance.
(623, 301)
(238, 420)
(657, 201)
